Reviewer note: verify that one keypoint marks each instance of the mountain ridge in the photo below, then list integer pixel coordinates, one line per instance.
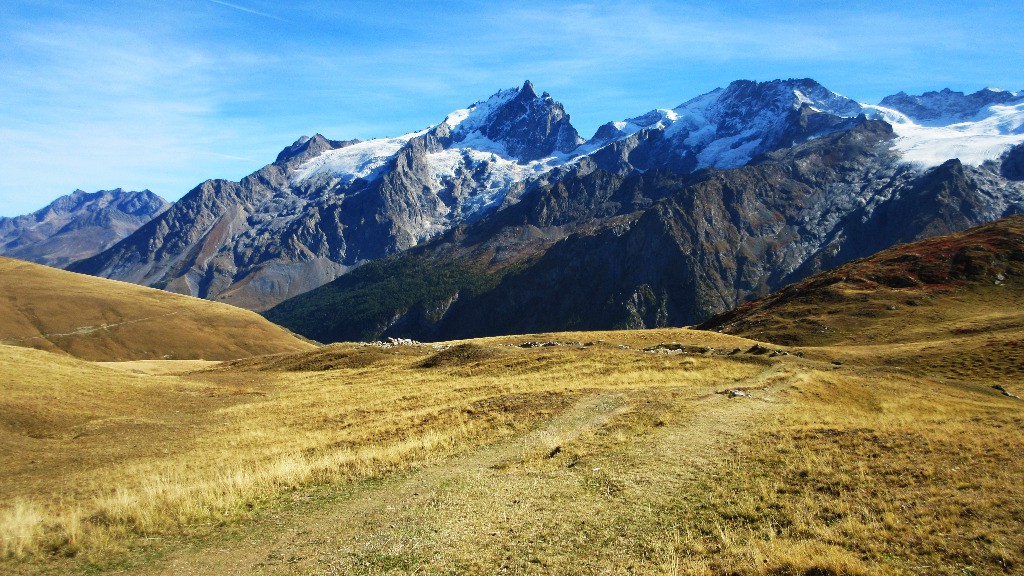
(947, 103)
(678, 250)
(326, 207)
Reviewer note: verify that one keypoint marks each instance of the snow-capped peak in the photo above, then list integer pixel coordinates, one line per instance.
(727, 127)
(476, 115)
(527, 126)
(777, 97)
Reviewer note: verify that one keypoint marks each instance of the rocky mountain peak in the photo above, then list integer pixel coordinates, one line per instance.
(305, 148)
(133, 203)
(746, 104)
(726, 127)
(528, 91)
(529, 126)
(71, 202)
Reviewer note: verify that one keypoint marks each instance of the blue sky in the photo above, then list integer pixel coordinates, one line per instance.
(165, 94)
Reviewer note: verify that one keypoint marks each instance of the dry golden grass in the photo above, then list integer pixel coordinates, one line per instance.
(99, 319)
(109, 456)
(488, 458)
(158, 367)
(898, 474)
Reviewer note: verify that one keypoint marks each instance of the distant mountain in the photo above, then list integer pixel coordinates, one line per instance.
(947, 106)
(936, 126)
(724, 128)
(513, 172)
(78, 225)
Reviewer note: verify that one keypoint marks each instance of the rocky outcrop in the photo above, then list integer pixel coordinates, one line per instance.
(1012, 166)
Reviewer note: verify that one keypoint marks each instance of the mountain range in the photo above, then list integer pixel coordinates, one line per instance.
(501, 218)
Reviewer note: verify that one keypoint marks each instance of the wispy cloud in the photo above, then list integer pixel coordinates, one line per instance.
(248, 10)
(134, 110)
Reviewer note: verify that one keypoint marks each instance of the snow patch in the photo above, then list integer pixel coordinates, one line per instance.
(992, 132)
(478, 114)
(361, 160)
(730, 152)
(486, 167)
(457, 117)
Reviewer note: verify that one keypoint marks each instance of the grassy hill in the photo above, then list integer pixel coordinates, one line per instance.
(98, 319)
(962, 293)
(940, 286)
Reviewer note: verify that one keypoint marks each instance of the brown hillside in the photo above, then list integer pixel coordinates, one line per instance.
(939, 289)
(98, 319)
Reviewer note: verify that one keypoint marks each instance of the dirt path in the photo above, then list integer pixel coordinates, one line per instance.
(509, 505)
(83, 330)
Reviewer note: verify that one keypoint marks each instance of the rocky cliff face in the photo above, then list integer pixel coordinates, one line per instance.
(77, 226)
